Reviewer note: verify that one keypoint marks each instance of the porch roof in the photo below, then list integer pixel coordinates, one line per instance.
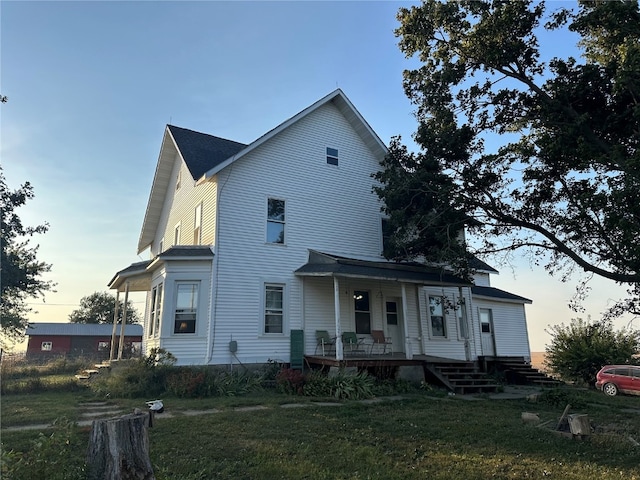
(328, 265)
(497, 294)
(138, 274)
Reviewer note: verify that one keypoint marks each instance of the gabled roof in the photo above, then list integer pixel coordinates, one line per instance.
(328, 265)
(476, 264)
(496, 293)
(342, 103)
(201, 151)
(206, 155)
(81, 329)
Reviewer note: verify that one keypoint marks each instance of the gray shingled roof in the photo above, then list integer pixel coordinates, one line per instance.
(187, 251)
(323, 264)
(202, 152)
(476, 264)
(81, 329)
(499, 294)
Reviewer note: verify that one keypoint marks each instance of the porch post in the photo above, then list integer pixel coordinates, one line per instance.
(112, 352)
(336, 303)
(407, 341)
(124, 320)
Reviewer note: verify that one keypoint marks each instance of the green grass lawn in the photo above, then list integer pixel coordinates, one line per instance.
(420, 437)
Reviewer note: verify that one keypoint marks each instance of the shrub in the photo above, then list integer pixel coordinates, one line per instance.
(136, 377)
(580, 349)
(343, 386)
(187, 382)
(290, 381)
(51, 456)
(560, 397)
(235, 383)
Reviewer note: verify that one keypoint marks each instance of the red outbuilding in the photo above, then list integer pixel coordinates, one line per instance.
(47, 340)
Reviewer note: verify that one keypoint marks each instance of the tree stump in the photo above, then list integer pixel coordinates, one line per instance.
(119, 448)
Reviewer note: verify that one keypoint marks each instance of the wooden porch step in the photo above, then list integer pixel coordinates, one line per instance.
(464, 389)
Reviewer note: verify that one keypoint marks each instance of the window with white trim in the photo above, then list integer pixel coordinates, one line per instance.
(161, 247)
(186, 312)
(486, 320)
(273, 308)
(155, 310)
(197, 225)
(103, 346)
(176, 234)
(46, 346)
(275, 220)
(178, 180)
(437, 317)
(332, 156)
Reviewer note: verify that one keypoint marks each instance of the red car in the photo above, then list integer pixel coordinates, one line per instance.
(612, 379)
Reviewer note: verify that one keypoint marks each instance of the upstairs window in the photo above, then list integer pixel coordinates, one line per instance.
(176, 234)
(197, 225)
(275, 221)
(186, 307)
(178, 180)
(436, 313)
(332, 156)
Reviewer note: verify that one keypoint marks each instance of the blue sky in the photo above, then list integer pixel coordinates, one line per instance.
(91, 86)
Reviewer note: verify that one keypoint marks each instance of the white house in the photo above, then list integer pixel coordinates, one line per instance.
(249, 243)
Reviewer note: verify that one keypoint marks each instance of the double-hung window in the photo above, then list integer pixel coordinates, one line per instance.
(186, 312)
(275, 220)
(332, 156)
(436, 314)
(197, 225)
(155, 310)
(273, 308)
(176, 234)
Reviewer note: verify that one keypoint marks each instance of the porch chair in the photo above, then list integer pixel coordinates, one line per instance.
(351, 342)
(380, 339)
(323, 339)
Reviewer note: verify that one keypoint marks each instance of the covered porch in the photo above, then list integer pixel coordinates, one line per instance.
(365, 298)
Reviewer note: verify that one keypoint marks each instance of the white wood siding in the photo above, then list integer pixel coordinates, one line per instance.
(327, 208)
(509, 325)
(319, 310)
(451, 346)
(179, 207)
(482, 279)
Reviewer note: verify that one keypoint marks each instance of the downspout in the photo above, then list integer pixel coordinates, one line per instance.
(112, 352)
(213, 300)
(212, 297)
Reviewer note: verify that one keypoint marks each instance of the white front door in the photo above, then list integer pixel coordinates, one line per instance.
(393, 320)
(486, 329)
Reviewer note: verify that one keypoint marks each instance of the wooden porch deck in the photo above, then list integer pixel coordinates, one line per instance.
(362, 359)
(458, 376)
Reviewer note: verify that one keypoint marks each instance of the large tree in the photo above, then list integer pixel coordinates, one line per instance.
(99, 307)
(538, 155)
(22, 273)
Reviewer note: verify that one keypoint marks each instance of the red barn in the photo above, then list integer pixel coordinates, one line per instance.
(79, 339)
